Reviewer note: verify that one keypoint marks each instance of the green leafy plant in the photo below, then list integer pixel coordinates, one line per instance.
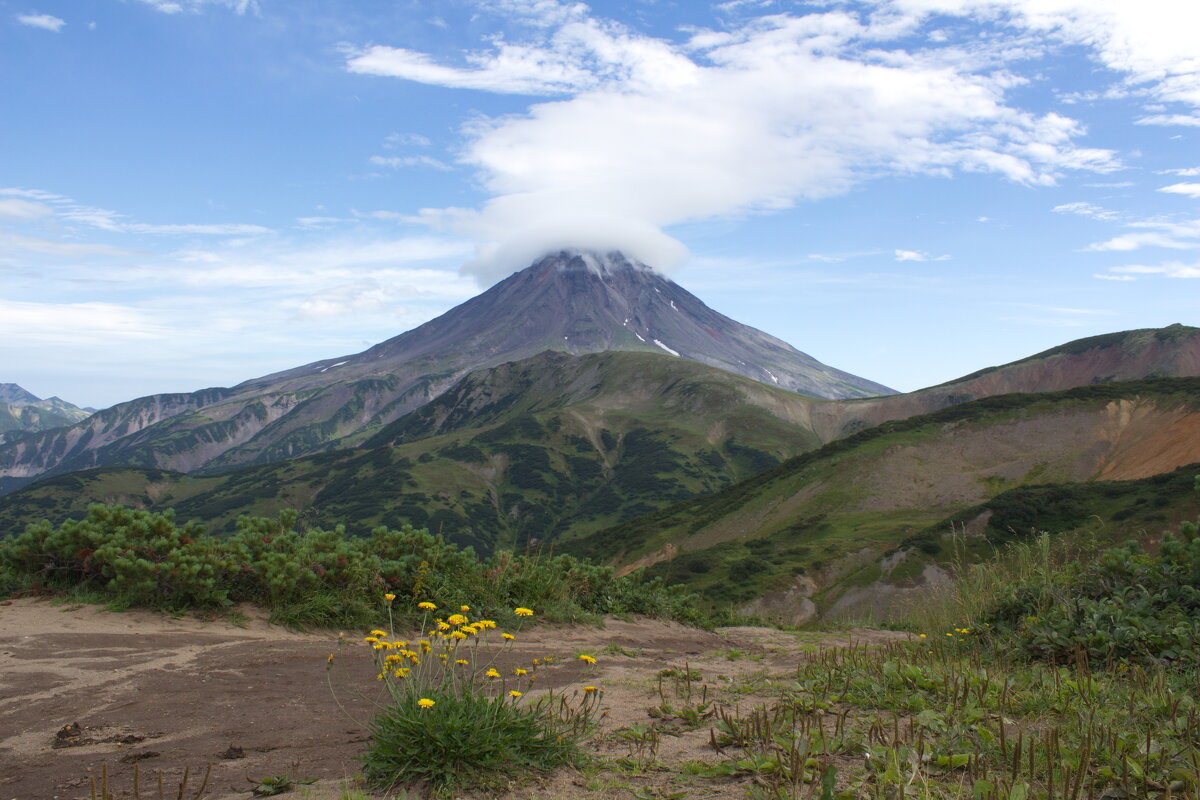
(454, 721)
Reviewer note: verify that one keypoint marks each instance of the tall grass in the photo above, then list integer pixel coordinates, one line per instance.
(975, 588)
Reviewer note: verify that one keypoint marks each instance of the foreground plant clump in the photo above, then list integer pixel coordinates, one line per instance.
(1122, 607)
(455, 718)
(315, 577)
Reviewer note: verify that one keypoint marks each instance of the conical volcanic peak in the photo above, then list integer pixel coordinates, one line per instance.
(573, 301)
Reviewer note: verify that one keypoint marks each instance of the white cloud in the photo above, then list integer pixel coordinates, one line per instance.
(179, 6)
(1189, 189)
(72, 324)
(1171, 234)
(38, 203)
(751, 120)
(1174, 269)
(35, 244)
(917, 255)
(44, 21)
(1104, 277)
(401, 139)
(1188, 120)
(1085, 209)
(16, 209)
(1152, 42)
(409, 161)
(222, 229)
(1186, 172)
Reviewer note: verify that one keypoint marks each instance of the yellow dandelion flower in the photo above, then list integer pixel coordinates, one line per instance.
(456, 619)
(514, 693)
(402, 672)
(379, 677)
(536, 662)
(370, 639)
(922, 636)
(394, 658)
(486, 624)
(442, 626)
(427, 606)
(377, 646)
(587, 659)
(492, 673)
(508, 636)
(519, 671)
(330, 659)
(522, 612)
(471, 629)
(389, 597)
(589, 688)
(461, 661)
(458, 635)
(425, 702)
(378, 632)
(464, 609)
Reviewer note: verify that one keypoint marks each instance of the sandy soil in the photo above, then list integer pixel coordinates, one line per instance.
(82, 688)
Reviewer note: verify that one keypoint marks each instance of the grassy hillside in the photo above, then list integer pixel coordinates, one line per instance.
(837, 516)
(527, 453)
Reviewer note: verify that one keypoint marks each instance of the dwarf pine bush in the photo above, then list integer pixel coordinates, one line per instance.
(308, 576)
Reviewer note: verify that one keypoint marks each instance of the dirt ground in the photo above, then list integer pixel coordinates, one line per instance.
(83, 689)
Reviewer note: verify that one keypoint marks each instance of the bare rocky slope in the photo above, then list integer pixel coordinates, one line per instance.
(570, 301)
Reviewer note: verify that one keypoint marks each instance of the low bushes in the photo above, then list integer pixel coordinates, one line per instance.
(1124, 606)
(307, 577)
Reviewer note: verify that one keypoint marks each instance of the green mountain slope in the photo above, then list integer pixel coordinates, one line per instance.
(24, 413)
(547, 448)
(804, 533)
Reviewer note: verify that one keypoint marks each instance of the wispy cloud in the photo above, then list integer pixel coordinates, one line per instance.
(19, 203)
(917, 255)
(44, 21)
(1187, 120)
(409, 161)
(1171, 234)
(1189, 189)
(180, 6)
(1173, 269)
(1085, 209)
(12, 208)
(36, 244)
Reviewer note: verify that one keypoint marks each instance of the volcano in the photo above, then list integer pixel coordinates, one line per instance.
(571, 301)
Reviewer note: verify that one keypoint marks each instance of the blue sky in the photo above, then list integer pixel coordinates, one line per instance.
(198, 192)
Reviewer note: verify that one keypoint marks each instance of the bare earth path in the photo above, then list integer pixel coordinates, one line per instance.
(168, 693)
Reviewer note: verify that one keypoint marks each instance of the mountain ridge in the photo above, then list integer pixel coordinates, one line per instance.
(568, 301)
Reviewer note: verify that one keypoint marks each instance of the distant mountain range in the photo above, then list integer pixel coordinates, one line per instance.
(23, 412)
(573, 302)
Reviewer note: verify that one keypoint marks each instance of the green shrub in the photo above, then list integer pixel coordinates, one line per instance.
(309, 577)
(1124, 606)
